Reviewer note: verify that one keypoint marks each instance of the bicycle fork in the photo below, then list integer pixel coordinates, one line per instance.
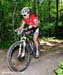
(22, 49)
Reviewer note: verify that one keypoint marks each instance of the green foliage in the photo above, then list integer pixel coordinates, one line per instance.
(6, 43)
(61, 64)
(59, 70)
(47, 24)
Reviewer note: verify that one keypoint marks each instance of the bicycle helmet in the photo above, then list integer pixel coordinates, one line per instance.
(25, 10)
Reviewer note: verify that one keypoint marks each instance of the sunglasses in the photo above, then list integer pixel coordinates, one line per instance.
(24, 15)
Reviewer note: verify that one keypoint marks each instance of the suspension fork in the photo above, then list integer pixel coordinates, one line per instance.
(22, 48)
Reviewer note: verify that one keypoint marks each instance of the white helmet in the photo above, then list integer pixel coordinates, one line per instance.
(25, 10)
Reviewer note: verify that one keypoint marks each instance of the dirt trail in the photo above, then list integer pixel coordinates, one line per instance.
(51, 54)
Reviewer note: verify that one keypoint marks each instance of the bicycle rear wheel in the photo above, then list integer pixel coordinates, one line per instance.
(14, 63)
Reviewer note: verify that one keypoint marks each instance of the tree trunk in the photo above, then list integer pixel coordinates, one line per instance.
(36, 6)
(13, 21)
(57, 17)
(60, 7)
(49, 2)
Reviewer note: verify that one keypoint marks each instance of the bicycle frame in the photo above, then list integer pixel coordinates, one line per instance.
(23, 49)
(25, 40)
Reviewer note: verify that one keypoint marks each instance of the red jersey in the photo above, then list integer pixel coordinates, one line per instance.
(30, 21)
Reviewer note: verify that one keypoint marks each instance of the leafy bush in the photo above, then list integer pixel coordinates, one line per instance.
(59, 69)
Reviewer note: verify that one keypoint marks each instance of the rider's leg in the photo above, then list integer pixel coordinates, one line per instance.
(35, 38)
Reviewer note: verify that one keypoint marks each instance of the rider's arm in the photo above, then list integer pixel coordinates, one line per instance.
(35, 26)
(36, 22)
(22, 26)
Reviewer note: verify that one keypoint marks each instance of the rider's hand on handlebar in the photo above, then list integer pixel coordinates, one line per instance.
(16, 30)
(27, 32)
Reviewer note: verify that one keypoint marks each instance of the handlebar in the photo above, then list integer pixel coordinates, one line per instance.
(21, 31)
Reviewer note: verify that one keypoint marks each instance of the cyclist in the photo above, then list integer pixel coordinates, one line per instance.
(31, 20)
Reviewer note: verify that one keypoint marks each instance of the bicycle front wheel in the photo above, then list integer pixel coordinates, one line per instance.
(14, 63)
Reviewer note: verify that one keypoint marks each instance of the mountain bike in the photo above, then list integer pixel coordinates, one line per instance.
(19, 53)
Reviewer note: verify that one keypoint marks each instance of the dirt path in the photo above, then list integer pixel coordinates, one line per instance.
(51, 54)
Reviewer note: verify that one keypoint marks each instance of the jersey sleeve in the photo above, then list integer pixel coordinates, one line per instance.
(33, 17)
